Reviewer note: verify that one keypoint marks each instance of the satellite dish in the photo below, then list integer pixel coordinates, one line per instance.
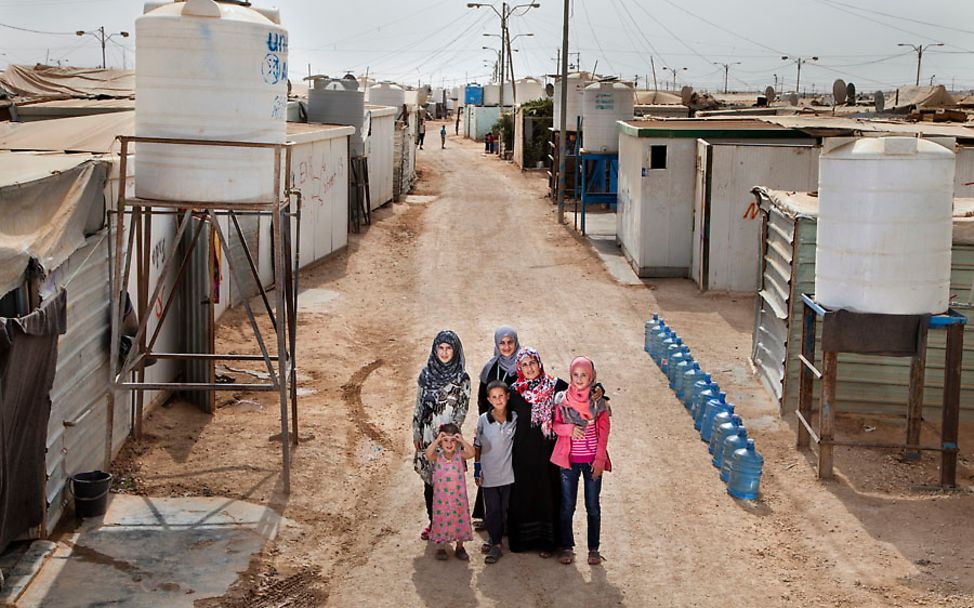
(850, 94)
(770, 94)
(793, 99)
(549, 90)
(686, 95)
(880, 100)
(838, 91)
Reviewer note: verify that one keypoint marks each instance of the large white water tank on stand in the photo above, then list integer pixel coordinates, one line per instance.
(339, 102)
(577, 82)
(884, 226)
(603, 105)
(208, 70)
(387, 94)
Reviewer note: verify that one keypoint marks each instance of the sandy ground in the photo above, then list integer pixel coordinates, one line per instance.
(488, 251)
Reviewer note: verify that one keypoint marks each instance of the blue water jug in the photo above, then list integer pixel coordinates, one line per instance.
(671, 346)
(662, 332)
(651, 327)
(679, 358)
(684, 383)
(706, 397)
(745, 473)
(714, 407)
(722, 432)
(727, 415)
(698, 387)
(731, 445)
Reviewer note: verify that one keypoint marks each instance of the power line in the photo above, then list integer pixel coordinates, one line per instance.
(917, 21)
(829, 4)
(724, 29)
(32, 31)
(588, 18)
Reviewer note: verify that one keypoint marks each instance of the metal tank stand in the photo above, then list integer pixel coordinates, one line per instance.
(951, 322)
(278, 356)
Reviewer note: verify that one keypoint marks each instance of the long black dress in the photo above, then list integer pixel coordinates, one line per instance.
(496, 373)
(532, 521)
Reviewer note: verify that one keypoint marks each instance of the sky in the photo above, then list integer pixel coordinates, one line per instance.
(441, 41)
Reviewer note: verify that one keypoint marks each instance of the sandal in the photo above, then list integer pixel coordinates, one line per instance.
(544, 554)
(441, 555)
(493, 555)
(567, 556)
(425, 534)
(594, 558)
(485, 548)
(461, 554)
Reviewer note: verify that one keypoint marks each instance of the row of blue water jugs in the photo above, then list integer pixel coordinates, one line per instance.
(733, 452)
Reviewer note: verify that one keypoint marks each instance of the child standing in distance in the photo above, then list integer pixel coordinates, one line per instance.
(493, 469)
(443, 137)
(451, 511)
(581, 422)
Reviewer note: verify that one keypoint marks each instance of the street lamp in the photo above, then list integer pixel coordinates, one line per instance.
(504, 14)
(103, 38)
(799, 61)
(919, 48)
(674, 70)
(726, 67)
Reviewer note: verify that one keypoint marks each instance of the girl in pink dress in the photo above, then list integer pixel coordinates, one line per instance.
(451, 511)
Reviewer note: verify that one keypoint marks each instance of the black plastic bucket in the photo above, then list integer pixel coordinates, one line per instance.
(91, 493)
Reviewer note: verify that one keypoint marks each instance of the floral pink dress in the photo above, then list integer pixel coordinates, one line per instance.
(451, 512)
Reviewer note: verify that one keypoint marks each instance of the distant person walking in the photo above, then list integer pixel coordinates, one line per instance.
(422, 133)
(443, 137)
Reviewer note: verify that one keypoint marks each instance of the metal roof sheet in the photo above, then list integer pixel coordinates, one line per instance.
(829, 126)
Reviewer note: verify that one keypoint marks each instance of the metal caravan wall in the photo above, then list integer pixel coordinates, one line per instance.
(379, 147)
(871, 384)
(727, 225)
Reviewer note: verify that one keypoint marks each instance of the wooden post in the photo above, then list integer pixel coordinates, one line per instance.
(826, 423)
(951, 406)
(914, 408)
(806, 378)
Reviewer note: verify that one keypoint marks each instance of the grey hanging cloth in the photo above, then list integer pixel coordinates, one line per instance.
(846, 331)
(28, 359)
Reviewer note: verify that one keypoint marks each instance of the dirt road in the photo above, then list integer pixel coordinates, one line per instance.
(485, 252)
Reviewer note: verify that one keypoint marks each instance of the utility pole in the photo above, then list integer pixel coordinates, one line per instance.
(919, 48)
(563, 119)
(726, 67)
(674, 70)
(799, 61)
(102, 38)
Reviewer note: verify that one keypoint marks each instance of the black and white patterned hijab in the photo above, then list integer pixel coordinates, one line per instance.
(437, 374)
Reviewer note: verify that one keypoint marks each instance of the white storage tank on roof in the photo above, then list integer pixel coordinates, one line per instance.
(577, 82)
(492, 94)
(604, 104)
(529, 89)
(208, 70)
(387, 94)
(339, 102)
(884, 226)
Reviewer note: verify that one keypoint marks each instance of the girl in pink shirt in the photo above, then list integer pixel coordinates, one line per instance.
(581, 423)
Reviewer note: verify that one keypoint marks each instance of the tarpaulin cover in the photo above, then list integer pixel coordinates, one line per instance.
(28, 359)
(95, 134)
(47, 81)
(46, 205)
(922, 97)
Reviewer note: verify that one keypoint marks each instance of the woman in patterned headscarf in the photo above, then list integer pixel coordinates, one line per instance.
(536, 497)
(502, 366)
(443, 397)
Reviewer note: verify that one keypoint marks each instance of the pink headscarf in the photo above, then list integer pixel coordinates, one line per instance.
(578, 399)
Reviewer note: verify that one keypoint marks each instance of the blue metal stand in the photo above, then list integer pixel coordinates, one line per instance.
(596, 179)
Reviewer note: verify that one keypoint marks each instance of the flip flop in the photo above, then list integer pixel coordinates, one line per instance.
(425, 534)
(544, 554)
(461, 554)
(567, 556)
(594, 558)
(493, 556)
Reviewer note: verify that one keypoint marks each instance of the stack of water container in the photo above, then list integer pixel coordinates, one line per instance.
(732, 452)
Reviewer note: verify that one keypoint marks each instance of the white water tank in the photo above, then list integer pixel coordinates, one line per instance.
(529, 89)
(387, 94)
(604, 104)
(208, 70)
(492, 94)
(339, 102)
(884, 226)
(577, 82)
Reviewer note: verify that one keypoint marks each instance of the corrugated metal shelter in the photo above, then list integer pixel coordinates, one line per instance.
(379, 148)
(866, 383)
